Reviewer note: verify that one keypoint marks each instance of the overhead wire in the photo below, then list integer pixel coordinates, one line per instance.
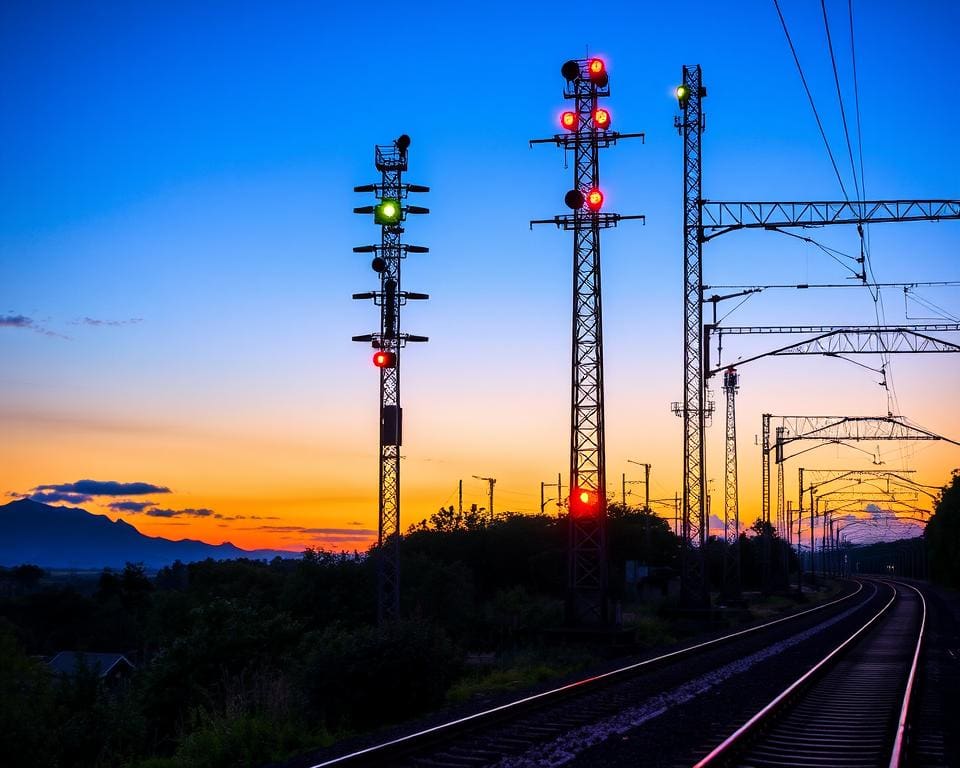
(843, 112)
(813, 106)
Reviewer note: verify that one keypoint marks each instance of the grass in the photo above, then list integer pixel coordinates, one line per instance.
(519, 670)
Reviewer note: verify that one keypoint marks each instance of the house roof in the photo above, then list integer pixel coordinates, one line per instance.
(70, 662)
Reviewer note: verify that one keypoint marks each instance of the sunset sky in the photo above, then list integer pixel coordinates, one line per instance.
(176, 231)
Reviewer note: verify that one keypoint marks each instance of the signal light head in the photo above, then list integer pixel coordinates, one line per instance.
(569, 120)
(584, 502)
(683, 95)
(384, 359)
(570, 70)
(574, 199)
(594, 199)
(387, 212)
(598, 72)
(601, 118)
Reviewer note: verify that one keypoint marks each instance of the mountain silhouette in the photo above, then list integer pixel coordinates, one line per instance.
(69, 537)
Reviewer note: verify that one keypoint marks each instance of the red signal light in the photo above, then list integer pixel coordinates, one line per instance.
(601, 118)
(569, 120)
(584, 502)
(594, 199)
(597, 70)
(384, 359)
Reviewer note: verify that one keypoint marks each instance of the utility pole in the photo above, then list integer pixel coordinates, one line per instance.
(731, 502)
(390, 212)
(558, 485)
(460, 498)
(586, 131)
(492, 481)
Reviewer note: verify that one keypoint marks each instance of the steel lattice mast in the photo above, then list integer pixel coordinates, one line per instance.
(390, 213)
(731, 505)
(705, 220)
(693, 576)
(586, 83)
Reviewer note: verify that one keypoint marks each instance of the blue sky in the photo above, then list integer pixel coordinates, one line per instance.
(185, 171)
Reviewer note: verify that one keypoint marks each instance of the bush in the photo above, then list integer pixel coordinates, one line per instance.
(362, 677)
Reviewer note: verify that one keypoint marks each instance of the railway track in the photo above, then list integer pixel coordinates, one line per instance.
(541, 728)
(850, 709)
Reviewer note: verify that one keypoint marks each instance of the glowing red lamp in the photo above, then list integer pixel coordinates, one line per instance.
(594, 199)
(569, 120)
(601, 118)
(584, 502)
(383, 359)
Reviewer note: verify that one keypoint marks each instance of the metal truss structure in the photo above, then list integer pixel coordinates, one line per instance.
(833, 429)
(391, 161)
(722, 217)
(694, 587)
(704, 220)
(731, 506)
(835, 340)
(586, 83)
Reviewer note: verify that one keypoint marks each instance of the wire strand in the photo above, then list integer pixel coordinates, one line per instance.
(813, 106)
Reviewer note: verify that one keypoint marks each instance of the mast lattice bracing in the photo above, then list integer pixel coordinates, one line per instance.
(693, 576)
(731, 505)
(586, 83)
(390, 213)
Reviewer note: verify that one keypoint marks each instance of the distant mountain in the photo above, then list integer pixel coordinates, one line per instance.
(67, 537)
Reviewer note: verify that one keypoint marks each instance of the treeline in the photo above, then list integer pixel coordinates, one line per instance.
(942, 535)
(243, 662)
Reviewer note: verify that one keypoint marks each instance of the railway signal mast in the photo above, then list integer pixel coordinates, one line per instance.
(586, 130)
(731, 505)
(693, 410)
(390, 212)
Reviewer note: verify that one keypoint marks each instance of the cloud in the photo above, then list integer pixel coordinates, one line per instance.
(344, 532)
(103, 488)
(27, 323)
(51, 496)
(159, 512)
(100, 323)
(131, 506)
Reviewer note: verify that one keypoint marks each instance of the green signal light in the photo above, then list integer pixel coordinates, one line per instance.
(682, 95)
(387, 212)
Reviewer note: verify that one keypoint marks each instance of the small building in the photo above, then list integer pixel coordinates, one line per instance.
(110, 667)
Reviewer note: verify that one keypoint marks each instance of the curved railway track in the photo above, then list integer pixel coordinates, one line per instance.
(850, 709)
(531, 729)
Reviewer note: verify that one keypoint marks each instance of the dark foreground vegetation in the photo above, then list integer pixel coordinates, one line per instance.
(241, 662)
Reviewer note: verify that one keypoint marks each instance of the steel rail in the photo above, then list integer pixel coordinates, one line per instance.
(726, 750)
(477, 717)
(900, 740)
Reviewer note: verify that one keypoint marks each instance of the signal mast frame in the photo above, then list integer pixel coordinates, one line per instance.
(586, 82)
(390, 213)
